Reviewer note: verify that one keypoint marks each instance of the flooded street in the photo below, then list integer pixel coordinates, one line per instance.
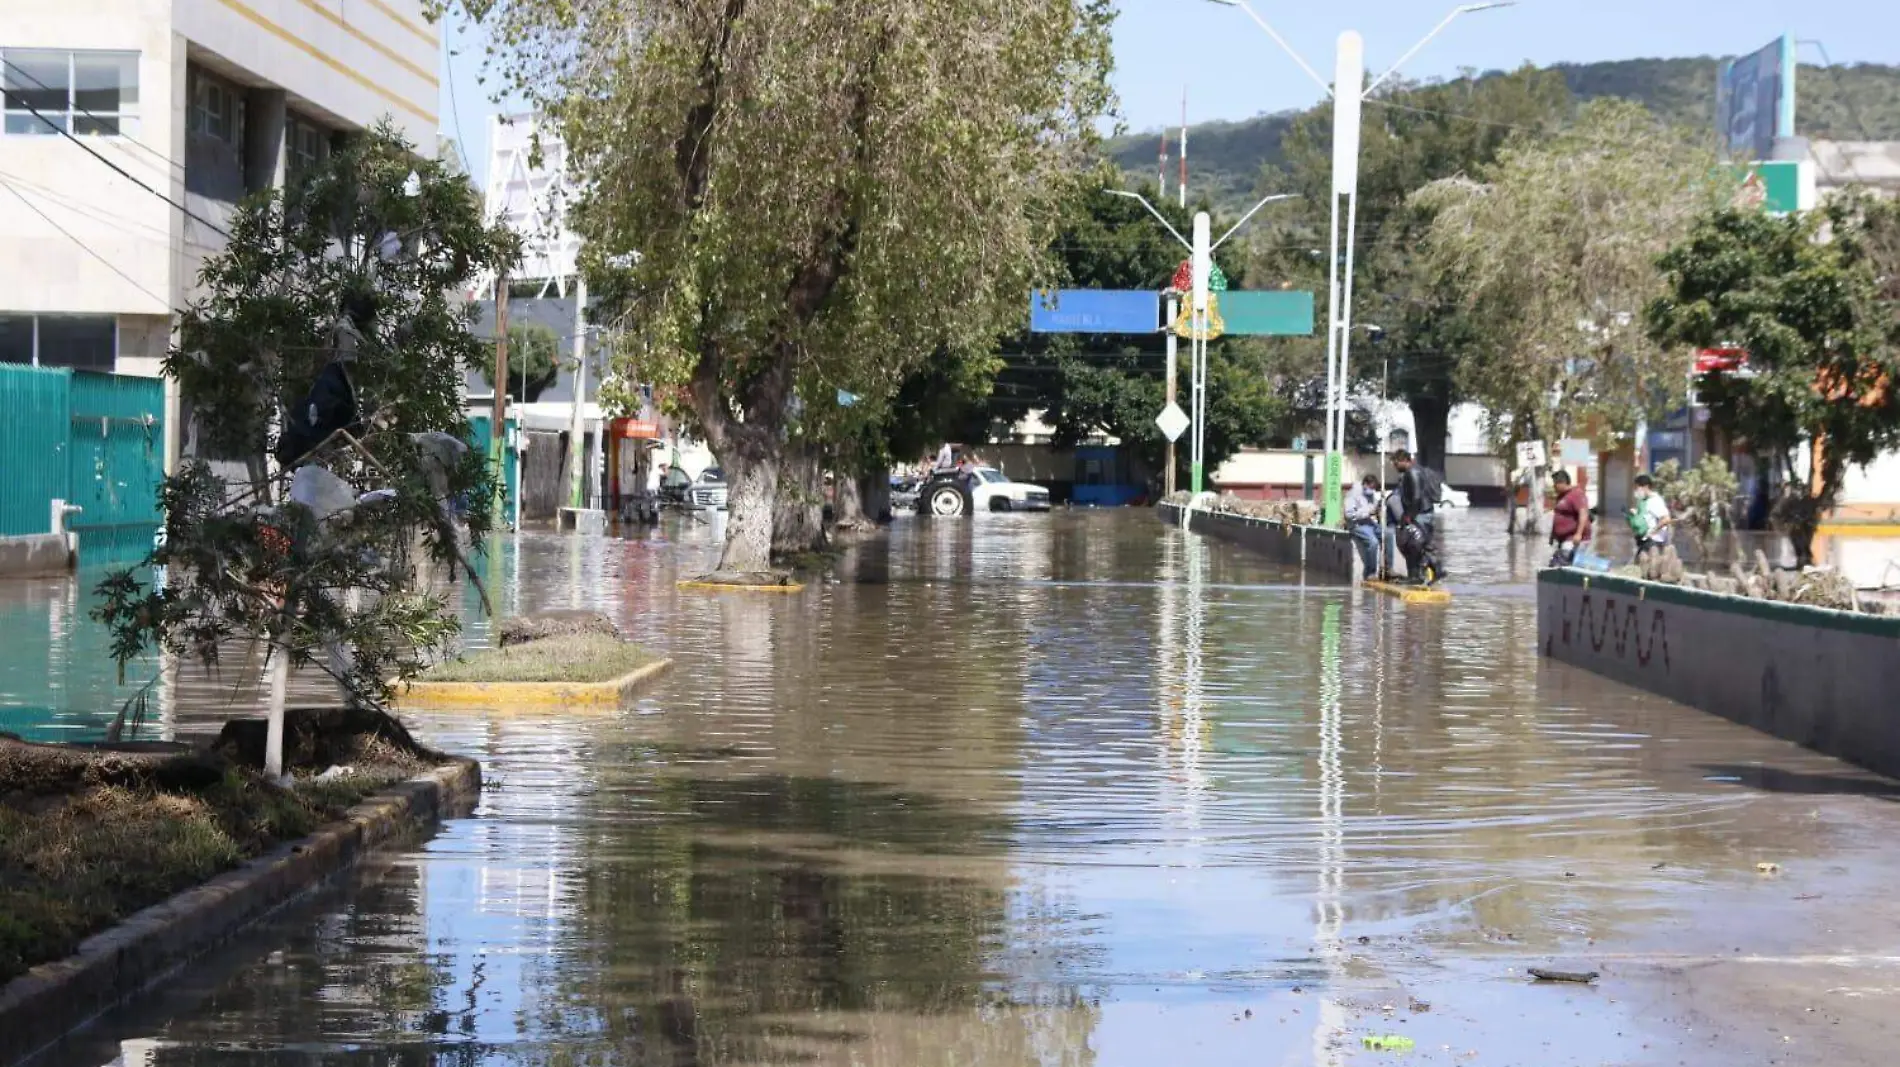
(1067, 789)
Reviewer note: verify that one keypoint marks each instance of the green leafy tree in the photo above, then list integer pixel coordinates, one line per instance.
(355, 261)
(533, 360)
(1553, 252)
(1413, 135)
(821, 195)
(1810, 298)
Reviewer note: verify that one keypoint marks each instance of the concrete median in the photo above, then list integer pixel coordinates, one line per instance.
(1320, 551)
(1819, 677)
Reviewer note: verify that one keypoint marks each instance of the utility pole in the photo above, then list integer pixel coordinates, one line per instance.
(1161, 167)
(497, 428)
(1201, 267)
(1173, 310)
(1184, 147)
(576, 430)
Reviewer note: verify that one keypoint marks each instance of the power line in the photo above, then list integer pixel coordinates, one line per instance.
(96, 214)
(135, 142)
(89, 250)
(123, 173)
(455, 109)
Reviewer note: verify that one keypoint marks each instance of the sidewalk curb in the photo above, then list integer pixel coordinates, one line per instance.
(455, 696)
(53, 999)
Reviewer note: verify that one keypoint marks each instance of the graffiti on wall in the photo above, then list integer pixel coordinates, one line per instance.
(1618, 626)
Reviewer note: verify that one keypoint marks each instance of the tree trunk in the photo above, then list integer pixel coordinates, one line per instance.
(874, 494)
(1801, 536)
(1431, 424)
(850, 504)
(752, 487)
(798, 513)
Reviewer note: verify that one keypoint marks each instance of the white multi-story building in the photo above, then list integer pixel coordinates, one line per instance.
(529, 190)
(132, 129)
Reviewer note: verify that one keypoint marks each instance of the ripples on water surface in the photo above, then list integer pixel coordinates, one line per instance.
(1075, 789)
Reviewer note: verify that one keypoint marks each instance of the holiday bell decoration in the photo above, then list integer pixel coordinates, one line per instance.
(1183, 284)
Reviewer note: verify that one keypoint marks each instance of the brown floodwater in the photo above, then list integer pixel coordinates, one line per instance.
(1075, 789)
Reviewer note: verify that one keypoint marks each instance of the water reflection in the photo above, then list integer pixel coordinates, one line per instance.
(1075, 789)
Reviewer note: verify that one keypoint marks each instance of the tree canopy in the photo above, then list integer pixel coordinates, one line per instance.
(822, 195)
(1552, 250)
(347, 273)
(1811, 299)
(1413, 135)
(533, 360)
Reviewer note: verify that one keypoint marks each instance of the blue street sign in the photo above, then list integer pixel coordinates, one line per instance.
(1094, 311)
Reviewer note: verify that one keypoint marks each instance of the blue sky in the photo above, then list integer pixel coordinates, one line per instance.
(1231, 70)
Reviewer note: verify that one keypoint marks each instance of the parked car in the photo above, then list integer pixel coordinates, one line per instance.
(708, 493)
(676, 488)
(948, 494)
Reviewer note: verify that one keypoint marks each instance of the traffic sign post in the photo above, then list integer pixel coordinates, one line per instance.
(1173, 422)
(1263, 314)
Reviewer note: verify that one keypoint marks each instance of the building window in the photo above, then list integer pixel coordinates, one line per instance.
(83, 342)
(84, 93)
(217, 109)
(16, 338)
(306, 142)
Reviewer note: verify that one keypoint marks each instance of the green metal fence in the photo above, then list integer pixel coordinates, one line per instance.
(510, 476)
(117, 434)
(94, 440)
(34, 452)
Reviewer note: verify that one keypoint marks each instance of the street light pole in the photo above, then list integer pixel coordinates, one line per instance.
(1167, 328)
(1348, 98)
(577, 426)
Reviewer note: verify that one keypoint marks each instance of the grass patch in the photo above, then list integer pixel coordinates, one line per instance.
(90, 836)
(86, 861)
(585, 657)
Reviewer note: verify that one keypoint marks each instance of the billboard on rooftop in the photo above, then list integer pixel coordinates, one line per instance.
(1754, 102)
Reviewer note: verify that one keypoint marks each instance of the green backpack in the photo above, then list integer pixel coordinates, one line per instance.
(1639, 522)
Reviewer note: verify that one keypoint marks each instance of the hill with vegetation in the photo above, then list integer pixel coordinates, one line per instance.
(1841, 103)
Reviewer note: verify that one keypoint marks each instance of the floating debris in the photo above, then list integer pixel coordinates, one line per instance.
(1545, 974)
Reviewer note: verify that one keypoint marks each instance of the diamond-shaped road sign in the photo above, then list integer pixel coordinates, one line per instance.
(1173, 421)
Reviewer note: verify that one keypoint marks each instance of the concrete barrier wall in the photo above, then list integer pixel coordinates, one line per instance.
(1829, 680)
(1321, 552)
(34, 556)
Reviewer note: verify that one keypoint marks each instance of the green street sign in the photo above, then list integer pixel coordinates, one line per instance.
(1267, 313)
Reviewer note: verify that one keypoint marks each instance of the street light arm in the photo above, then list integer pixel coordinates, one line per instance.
(1248, 215)
(1324, 86)
(1436, 30)
(1159, 217)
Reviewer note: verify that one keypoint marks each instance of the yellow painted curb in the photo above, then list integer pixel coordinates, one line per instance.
(1410, 594)
(1858, 529)
(509, 696)
(723, 587)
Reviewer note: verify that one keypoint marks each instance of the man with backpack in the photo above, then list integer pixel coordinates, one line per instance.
(1421, 490)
